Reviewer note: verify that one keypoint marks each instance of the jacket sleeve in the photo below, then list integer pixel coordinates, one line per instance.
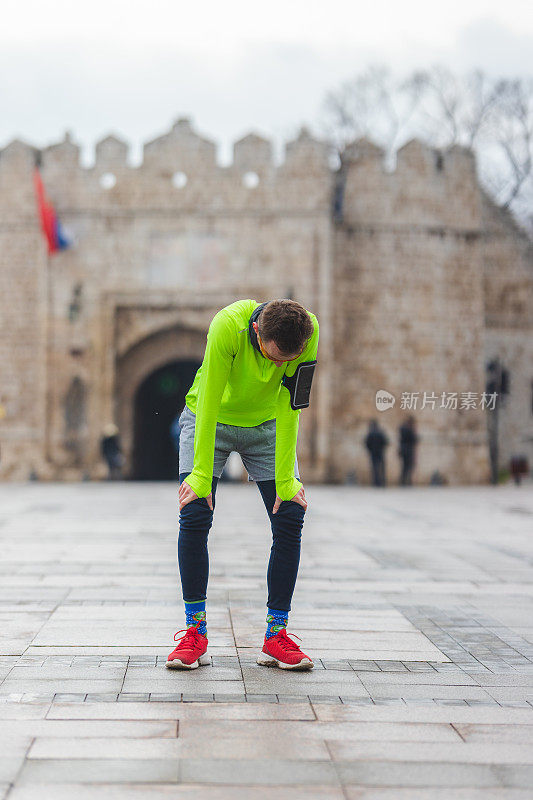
(287, 421)
(214, 373)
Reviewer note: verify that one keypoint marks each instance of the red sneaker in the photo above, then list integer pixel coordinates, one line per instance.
(281, 651)
(191, 650)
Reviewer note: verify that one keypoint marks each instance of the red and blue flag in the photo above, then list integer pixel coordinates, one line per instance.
(54, 234)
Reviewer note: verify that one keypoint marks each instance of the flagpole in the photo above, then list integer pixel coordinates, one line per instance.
(54, 241)
(43, 212)
(48, 362)
(48, 319)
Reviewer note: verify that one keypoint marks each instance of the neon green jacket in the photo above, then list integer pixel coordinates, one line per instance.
(237, 385)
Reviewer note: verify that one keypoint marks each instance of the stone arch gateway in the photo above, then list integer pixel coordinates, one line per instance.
(151, 380)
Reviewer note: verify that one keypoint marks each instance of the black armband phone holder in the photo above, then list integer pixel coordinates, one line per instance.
(299, 384)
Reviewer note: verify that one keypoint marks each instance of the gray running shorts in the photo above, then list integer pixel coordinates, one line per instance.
(256, 446)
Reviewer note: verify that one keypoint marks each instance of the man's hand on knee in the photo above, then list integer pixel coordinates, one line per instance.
(186, 495)
(299, 497)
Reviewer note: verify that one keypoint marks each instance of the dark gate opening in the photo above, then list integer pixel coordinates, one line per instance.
(158, 401)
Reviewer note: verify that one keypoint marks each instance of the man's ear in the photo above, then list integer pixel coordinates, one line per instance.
(255, 326)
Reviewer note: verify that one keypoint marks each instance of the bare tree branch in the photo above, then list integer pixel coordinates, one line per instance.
(493, 117)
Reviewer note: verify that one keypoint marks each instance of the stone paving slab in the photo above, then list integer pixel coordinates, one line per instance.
(277, 685)
(258, 772)
(434, 774)
(116, 633)
(160, 791)
(433, 752)
(426, 690)
(301, 730)
(373, 620)
(145, 680)
(355, 654)
(415, 607)
(110, 729)
(193, 791)
(94, 771)
(171, 711)
(493, 715)
(92, 748)
(11, 685)
(175, 748)
(112, 650)
(373, 679)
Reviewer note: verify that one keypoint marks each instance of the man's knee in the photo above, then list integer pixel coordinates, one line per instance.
(292, 511)
(197, 512)
(287, 525)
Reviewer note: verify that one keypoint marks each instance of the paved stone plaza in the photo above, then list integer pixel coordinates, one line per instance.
(416, 606)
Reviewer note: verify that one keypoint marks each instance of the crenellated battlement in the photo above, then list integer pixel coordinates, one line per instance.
(253, 153)
(183, 148)
(180, 170)
(180, 149)
(64, 155)
(111, 152)
(427, 187)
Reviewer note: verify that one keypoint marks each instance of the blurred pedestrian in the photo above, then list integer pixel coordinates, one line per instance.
(519, 468)
(112, 451)
(407, 450)
(375, 442)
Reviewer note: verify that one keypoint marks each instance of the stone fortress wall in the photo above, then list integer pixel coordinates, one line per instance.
(415, 277)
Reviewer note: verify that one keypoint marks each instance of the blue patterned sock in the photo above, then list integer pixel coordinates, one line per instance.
(194, 613)
(276, 620)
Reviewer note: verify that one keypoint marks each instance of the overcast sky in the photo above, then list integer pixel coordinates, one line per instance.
(133, 66)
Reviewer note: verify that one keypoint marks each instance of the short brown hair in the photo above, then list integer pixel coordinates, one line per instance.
(286, 323)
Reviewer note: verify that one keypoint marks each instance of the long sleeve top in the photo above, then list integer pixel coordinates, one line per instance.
(237, 385)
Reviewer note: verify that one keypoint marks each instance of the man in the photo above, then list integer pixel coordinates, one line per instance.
(247, 396)
(376, 441)
(406, 450)
(112, 451)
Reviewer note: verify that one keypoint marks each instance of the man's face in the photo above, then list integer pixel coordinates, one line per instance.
(271, 351)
